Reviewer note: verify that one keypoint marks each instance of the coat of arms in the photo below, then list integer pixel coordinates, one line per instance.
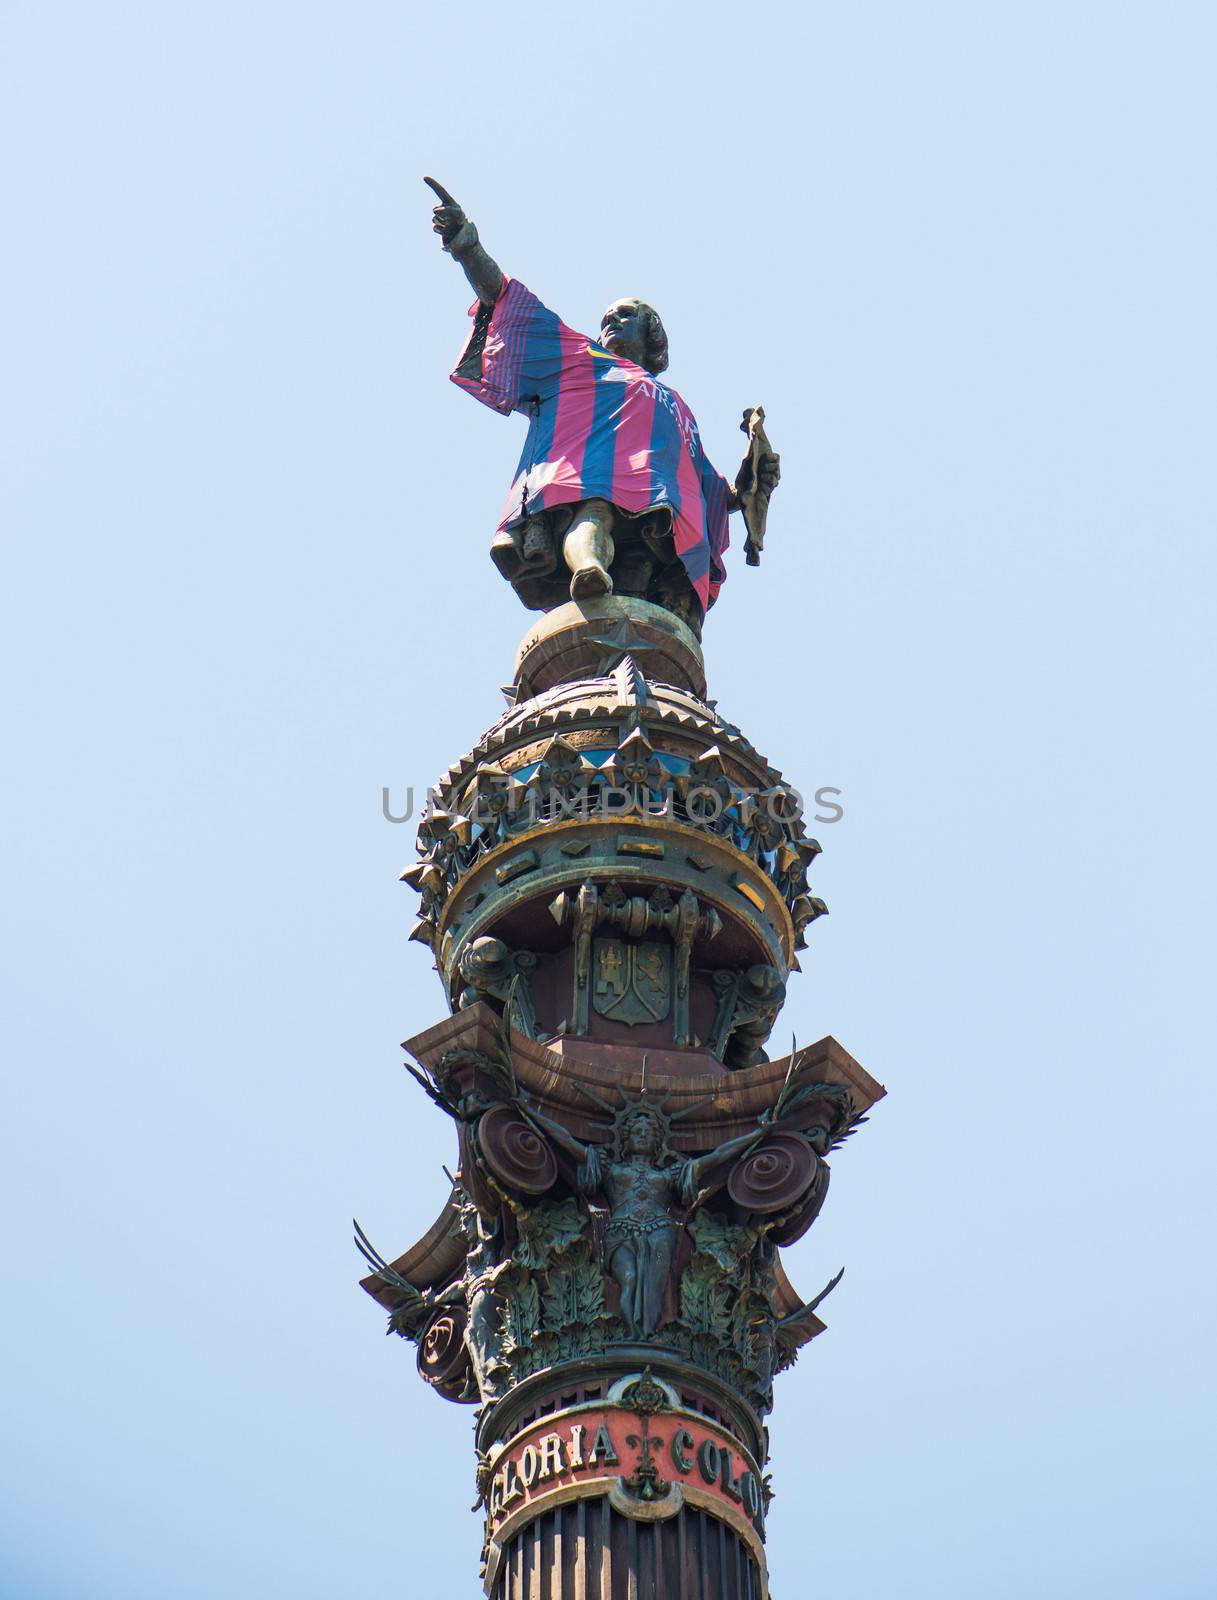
(632, 983)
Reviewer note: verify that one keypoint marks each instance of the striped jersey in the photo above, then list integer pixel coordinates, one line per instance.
(599, 426)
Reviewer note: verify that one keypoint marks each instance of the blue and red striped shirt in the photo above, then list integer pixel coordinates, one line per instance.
(600, 426)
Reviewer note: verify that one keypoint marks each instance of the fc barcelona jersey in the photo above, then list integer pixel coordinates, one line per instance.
(599, 426)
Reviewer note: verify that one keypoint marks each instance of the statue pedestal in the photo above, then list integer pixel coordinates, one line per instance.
(587, 638)
(614, 885)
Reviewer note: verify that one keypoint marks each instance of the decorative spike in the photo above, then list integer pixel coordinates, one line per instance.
(787, 857)
(806, 909)
(825, 1291)
(631, 683)
(425, 876)
(558, 748)
(636, 740)
(687, 1111)
(590, 1094)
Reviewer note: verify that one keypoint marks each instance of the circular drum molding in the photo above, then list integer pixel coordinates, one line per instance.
(773, 1176)
(443, 1359)
(515, 1152)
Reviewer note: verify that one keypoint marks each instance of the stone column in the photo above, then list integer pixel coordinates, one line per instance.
(614, 886)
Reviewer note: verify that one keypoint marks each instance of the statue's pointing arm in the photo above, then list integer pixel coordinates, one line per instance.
(460, 238)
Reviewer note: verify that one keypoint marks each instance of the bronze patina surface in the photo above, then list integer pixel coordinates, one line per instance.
(614, 885)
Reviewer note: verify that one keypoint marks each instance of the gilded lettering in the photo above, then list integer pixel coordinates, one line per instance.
(602, 1448)
(576, 1444)
(552, 1462)
(530, 1463)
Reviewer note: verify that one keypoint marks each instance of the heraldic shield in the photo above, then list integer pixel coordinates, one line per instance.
(632, 982)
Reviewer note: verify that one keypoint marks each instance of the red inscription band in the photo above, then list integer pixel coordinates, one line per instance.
(639, 1459)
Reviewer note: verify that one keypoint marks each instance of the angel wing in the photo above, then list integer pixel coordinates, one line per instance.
(497, 1067)
(795, 1095)
(416, 1304)
(794, 1331)
(435, 1091)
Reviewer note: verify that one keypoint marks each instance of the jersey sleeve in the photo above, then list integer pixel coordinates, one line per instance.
(513, 353)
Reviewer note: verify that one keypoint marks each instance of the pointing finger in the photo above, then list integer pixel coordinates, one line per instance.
(440, 190)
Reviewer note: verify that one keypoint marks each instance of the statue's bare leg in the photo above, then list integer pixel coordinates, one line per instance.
(624, 1269)
(588, 550)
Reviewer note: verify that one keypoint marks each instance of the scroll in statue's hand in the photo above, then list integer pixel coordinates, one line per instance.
(759, 475)
(769, 473)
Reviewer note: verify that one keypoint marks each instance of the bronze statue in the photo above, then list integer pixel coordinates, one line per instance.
(476, 1290)
(642, 1179)
(613, 486)
(484, 1266)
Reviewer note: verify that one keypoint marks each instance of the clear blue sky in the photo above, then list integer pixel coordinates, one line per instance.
(964, 255)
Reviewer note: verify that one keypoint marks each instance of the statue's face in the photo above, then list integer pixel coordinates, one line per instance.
(641, 1137)
(622, 331)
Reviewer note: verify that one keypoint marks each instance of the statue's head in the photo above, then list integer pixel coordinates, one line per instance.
(632, 329)
(475, 1227)
(819, 1137)
(641, 1135)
